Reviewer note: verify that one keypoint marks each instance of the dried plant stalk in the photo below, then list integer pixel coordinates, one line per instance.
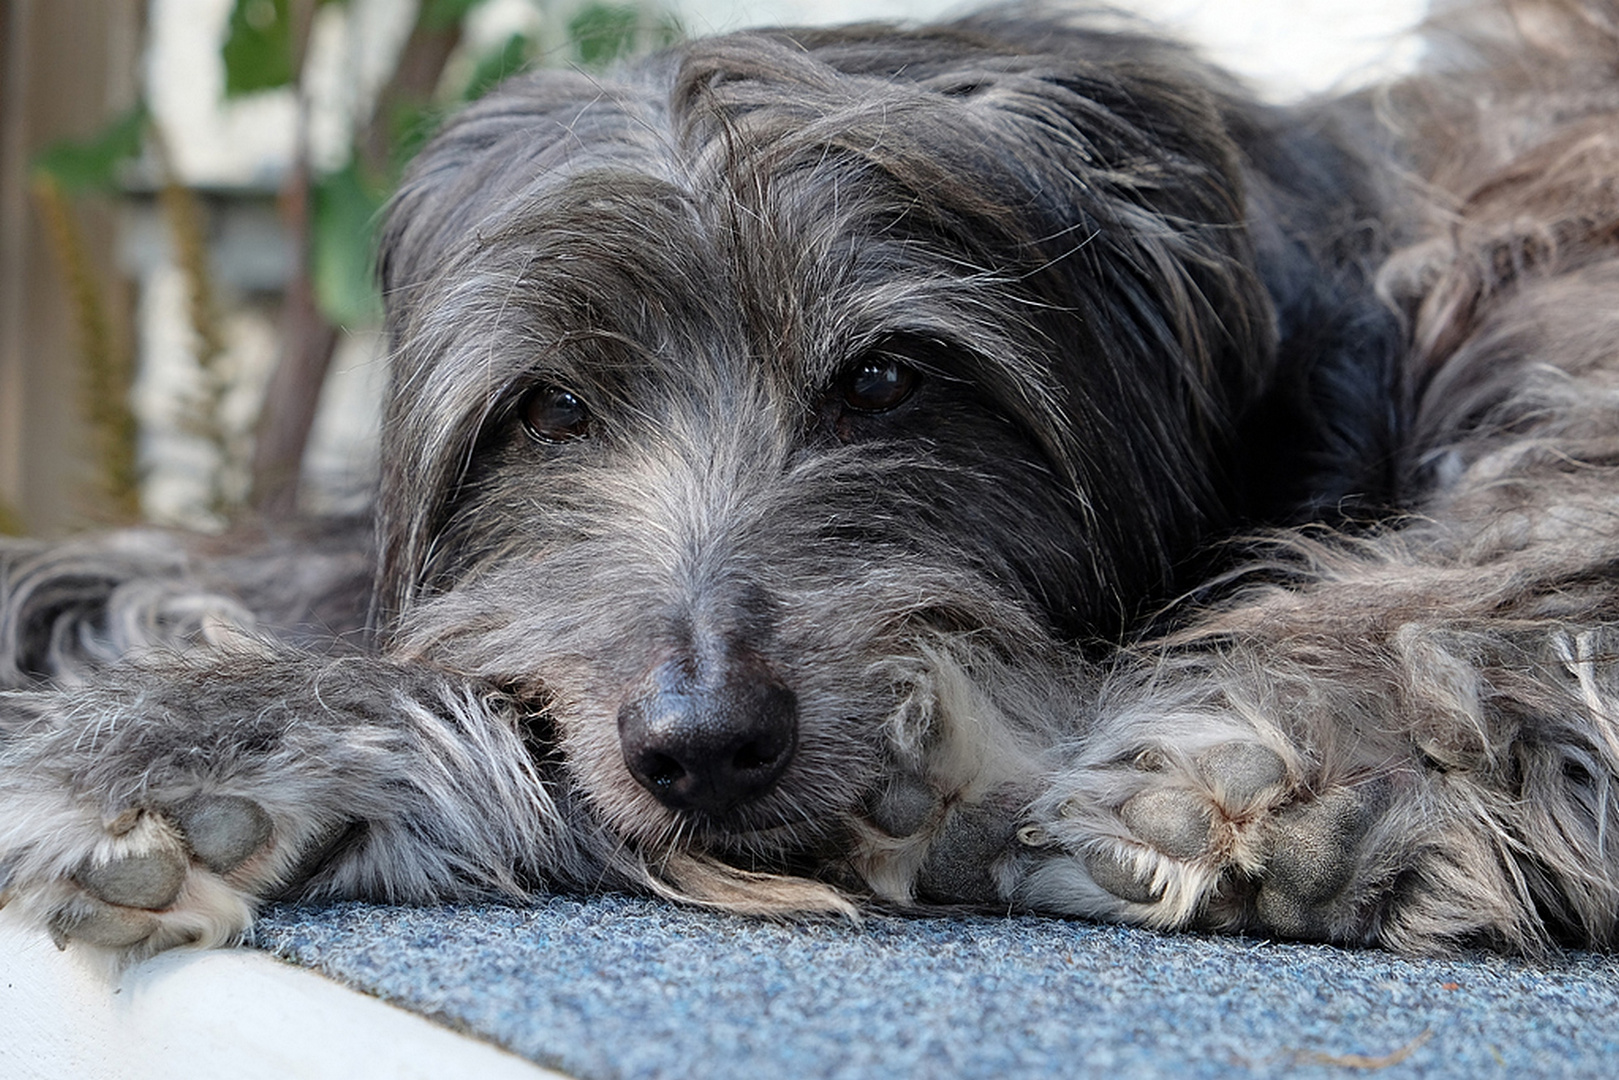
(203, 414)
(107, 368)
(10, 521)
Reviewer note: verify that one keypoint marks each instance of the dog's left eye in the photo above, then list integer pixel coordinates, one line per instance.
(553, 414)
(878, 384)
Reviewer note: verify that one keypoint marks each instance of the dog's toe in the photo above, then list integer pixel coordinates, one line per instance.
(1312, 845)
(1234, 833)
(1242, 774)
(1313, 852)
(223, 830)
(150, 880)
(1120, 878)
(1175, 821)
(104, 925)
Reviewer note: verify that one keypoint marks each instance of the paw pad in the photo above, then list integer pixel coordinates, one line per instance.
(151, 880)
(142, 885)
(1240, 772)
(104, 925)
(1313, 844)
(1176, 821)
(1314, 849)
(1120, 878)
(223, 830)
(1231, 808)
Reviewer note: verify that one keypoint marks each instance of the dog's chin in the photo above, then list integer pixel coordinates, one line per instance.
(774, 830)
(777, 840)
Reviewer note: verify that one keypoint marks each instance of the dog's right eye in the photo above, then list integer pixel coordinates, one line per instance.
(878, 384)
(552, 414)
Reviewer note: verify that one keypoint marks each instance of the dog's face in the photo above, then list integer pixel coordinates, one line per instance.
(729, 397)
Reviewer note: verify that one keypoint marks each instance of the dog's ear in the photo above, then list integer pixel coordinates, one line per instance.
(457, 201)
(484, 157)
(481, 157)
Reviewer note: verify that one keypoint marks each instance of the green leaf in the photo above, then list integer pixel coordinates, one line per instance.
(495, 66)
(443, 14)
(344, 217)
(93, 164)
(601, 33)
(604, 32)
(410, 125)
(258, 47)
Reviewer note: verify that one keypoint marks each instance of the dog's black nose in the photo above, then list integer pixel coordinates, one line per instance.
(710, 743)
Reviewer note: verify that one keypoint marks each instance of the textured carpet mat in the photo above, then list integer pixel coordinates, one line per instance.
(616, 987)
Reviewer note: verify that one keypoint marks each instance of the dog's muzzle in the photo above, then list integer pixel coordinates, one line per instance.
(712, 734)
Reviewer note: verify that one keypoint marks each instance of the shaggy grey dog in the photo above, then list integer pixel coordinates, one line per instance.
(810, 475)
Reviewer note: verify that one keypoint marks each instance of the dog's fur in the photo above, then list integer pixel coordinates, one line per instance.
(914, 374)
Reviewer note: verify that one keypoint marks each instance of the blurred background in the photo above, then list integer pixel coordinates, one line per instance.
(188, 326)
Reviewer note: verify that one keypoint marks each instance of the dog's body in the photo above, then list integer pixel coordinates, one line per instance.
(785, 437)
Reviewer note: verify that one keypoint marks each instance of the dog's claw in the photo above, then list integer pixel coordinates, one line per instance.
(151, 880)
(223, 830)
(121, 823)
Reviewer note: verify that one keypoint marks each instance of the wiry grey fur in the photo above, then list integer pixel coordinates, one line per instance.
(1143, 315)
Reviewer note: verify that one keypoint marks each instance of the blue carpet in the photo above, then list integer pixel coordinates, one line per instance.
(617, 987)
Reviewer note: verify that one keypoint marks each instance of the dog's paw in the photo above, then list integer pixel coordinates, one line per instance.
(1230, 836)
(143, 879)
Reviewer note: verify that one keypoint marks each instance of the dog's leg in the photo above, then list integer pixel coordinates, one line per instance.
(154, 805)
(72, 608)
(1413, 738)
(1411, 754)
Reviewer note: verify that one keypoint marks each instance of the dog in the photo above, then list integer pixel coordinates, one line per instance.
(995, 464)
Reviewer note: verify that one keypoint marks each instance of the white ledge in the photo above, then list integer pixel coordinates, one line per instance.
(234, 1012)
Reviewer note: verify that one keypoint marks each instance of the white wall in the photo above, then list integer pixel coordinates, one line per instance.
(1289, 47)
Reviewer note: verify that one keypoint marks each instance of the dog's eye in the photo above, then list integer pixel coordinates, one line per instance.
(878, 384)
(552, 414)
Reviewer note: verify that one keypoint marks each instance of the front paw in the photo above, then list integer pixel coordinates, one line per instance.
(142, 879)
(1225, 836)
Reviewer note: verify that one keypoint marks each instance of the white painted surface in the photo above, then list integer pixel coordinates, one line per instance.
(1286, 47)
(229, 1013)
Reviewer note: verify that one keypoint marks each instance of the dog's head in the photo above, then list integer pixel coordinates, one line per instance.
(729, 392)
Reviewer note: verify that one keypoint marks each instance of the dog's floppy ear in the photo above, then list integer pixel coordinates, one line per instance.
(486, 157)
(482, 156)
